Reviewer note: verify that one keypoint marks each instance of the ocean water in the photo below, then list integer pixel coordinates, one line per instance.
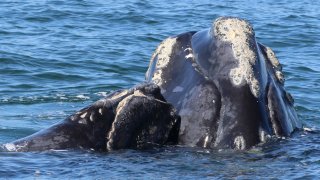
(58, 56)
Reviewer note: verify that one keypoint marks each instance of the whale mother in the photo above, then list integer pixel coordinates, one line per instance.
(227, 87)
(216, 88)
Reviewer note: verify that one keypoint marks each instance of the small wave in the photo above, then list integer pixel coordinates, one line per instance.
(44, 99)
(2, 148)
(81, 96)
(59, 75)
(103, 94)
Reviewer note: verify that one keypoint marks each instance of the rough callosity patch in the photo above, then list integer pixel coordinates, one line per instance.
(240, 143)
(189, 53)
(239, 33)
(121, 94)
(280, 77)
(163, 53)
(119, 108)
(138, 93)
(263, 135)
(276, 64)
(272, 57)
(123, 103)
(126, 100)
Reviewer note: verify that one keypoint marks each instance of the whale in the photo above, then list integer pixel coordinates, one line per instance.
(227, 87)
(136, 118)
(214, 88)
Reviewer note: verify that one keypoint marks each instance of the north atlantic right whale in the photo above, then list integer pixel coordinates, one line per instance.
(227, 87)
(215, 88)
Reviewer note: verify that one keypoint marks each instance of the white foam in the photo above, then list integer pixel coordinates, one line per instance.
(81, 96)
(308, 129)
(10, 147)
(103, 94)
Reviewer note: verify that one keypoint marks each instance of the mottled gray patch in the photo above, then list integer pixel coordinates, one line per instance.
(197, 111)
(177, 89)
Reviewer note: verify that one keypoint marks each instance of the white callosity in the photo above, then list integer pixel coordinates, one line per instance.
(189, 54)
(263, 135)
(240, 143)
(276, 65)
(163, 53)
(83, 115)
(280, 76)
(238, 33)
(272, 57)
(91, 117)
(121, 94)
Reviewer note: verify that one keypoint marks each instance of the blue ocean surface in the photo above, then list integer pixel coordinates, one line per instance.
(58, 56)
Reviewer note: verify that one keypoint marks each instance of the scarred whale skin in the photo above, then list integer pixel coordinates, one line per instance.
(227, 87)
(216, 88)
(136, 118)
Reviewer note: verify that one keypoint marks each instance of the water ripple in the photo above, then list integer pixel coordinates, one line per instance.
(59, 56)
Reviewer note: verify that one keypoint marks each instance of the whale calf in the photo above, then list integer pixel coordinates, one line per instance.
(136, 118)
(215, 88)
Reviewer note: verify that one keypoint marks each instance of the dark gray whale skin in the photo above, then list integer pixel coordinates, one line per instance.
(216, 88)
(137, 118)
(227, 87)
